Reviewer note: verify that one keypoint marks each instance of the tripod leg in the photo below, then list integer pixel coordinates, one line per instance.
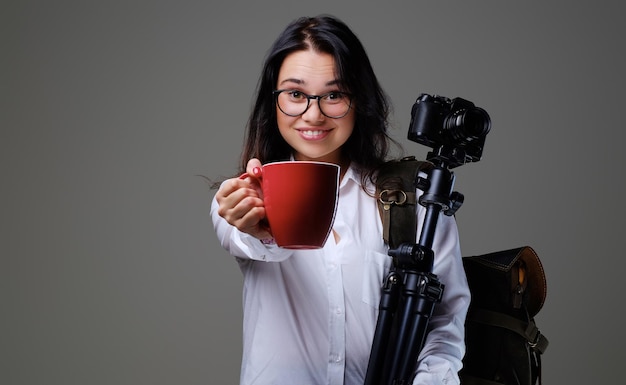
(388, 304)
(421, 292)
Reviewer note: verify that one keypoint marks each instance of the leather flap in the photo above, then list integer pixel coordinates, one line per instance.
(504, 260)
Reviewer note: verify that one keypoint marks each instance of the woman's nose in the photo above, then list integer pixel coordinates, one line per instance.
(313, 113)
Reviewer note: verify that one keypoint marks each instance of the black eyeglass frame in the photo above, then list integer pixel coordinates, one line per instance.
(308, 102)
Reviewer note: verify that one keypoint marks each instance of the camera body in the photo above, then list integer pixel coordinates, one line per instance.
(454, 128)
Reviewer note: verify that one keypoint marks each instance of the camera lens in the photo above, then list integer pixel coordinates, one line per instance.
(468, 125)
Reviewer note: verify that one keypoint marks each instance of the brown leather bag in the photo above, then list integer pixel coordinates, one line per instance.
(504, 345)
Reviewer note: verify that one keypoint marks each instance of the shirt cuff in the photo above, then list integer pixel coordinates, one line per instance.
(260, 249)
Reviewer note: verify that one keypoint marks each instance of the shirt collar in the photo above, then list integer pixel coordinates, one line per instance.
(352, 176)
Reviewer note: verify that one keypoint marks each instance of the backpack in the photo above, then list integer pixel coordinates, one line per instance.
(508, 289)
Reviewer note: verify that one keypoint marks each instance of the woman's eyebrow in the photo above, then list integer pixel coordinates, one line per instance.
(302, 82)
(293, 80)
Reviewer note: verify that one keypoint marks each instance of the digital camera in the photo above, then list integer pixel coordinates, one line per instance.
(454, 128)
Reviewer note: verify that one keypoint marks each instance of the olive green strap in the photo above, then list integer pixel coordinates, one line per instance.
(397, 200)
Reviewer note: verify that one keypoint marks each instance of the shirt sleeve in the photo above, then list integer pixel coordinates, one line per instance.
(441, 357)
(243, 245)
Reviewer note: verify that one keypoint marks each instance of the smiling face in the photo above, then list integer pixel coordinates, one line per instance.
(312, 135)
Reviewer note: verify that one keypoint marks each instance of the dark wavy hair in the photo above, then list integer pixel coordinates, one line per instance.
(368, 145)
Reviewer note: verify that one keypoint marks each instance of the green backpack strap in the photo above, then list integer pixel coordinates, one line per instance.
(395, 191)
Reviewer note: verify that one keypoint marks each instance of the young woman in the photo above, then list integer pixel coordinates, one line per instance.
(310, 315)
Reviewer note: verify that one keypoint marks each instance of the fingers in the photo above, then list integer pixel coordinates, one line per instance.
(236, 197)
(254, 168)
(254, 173)
(240, 204)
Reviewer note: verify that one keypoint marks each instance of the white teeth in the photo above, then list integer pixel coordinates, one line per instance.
(312, 133)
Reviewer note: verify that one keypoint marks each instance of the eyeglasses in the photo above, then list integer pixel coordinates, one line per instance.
(334, 104)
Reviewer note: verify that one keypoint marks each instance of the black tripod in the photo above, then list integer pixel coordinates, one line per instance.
(456, 130)
(410, 290)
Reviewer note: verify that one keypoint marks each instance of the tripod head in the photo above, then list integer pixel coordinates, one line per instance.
(454, 128)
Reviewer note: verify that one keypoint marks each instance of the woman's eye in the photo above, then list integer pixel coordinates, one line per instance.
(334, 95)
(296, 94)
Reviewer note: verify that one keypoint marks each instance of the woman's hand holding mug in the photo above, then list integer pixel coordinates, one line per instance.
(240, 202)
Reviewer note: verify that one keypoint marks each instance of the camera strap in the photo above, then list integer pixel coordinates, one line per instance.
(395, 191)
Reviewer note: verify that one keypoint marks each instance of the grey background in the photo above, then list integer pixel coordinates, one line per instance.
(110, 271)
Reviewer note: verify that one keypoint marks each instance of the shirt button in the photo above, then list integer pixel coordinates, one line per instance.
(339, 311)
(335, 358)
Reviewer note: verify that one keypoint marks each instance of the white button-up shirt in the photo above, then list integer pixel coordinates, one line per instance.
(310, 315)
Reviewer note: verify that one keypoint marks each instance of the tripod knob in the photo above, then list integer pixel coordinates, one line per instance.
(412, 256)
(456, 201)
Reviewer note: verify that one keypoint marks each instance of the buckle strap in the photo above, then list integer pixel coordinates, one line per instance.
(528, 330)
(387, 199)
(397, 198)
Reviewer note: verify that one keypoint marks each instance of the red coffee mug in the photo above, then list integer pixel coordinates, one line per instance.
(300, 200)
